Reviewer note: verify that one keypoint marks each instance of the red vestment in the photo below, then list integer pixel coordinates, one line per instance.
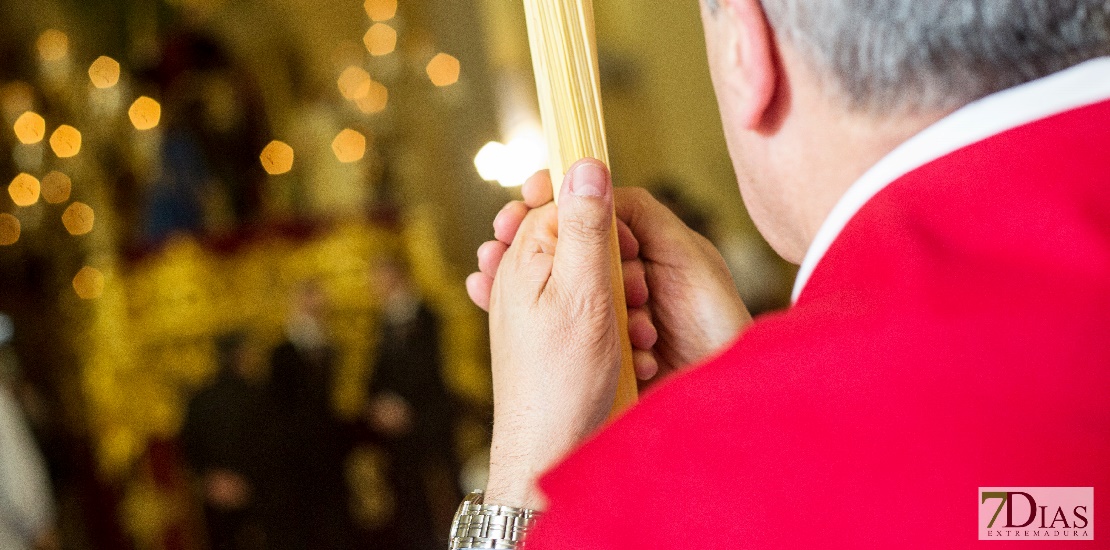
(955, 335)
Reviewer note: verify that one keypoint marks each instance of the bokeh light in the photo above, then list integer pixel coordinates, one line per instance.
(9, 229)
(354, 83)
(380, 40)
(30, 128)
(349, 146)
(380, 10)
(52, 45)
(104, 72)
(277, 158)
(443, 70)
(78, 218)
(89, 283)
(376, 100)
(145, 113)
(16, 97)
(56, 187)
(65, 141)
(512, 164)
(489, 159)
(24, 190)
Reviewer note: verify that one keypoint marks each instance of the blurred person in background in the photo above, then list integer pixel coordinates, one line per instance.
(412, 410)
(27, 511)
(221, 438)
(304, 489)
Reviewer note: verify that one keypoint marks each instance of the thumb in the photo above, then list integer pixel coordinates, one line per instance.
(585, 226)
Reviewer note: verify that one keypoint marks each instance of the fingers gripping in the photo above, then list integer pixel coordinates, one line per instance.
(537, 190)
(508, 220)
(585, 225)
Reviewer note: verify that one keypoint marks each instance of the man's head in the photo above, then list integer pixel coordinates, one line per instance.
(813, 92)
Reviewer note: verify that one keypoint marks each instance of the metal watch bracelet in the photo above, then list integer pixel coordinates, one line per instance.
(477, 525)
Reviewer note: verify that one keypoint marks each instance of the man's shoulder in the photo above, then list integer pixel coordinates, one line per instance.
(843, 406)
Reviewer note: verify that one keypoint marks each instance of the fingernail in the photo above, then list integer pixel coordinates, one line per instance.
(588, 180)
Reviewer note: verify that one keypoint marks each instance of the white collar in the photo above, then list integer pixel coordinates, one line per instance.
(1081, 85)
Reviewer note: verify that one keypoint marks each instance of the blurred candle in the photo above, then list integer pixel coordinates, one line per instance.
(354, 83)
(380, 10)
(349, 146)
(376, 99)
(443, 70)
(52, 45)
(9, 229)
(145, 113)
(78, 218)
(380, 40)
(104, 72)
(277, 158)
(65, 141)
(30, 128)
(56, 187)
(16, 97)
(89, 283)
(24, 190)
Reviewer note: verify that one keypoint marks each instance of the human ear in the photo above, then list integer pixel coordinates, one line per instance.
(750, 74)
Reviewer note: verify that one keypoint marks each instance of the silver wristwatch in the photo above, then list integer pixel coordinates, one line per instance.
(478, 525)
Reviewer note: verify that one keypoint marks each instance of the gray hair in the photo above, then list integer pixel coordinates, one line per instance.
(886, 56)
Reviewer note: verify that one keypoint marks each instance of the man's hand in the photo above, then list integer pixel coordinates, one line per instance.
(545, 282)
(555, 347)
(682, 303)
